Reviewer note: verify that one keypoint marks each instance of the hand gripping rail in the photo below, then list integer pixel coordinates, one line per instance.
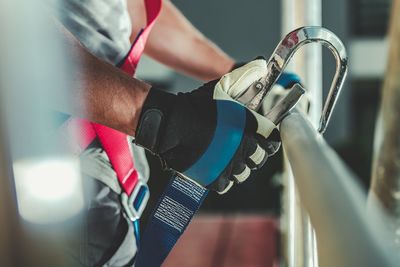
(285, 50)
(166, 227)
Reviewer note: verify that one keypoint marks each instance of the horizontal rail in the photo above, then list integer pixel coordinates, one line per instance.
(347, 236)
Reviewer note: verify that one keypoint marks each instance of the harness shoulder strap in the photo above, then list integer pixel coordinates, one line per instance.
(115, 143)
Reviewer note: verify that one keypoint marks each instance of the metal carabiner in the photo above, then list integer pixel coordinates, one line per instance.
(253, 97)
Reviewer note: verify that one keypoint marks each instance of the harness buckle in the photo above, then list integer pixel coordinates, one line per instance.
(135, 203)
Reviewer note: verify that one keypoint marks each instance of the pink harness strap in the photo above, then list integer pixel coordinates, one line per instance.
(116, 144)
(153, 8)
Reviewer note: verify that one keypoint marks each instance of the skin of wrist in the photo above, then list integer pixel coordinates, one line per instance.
(139, 97)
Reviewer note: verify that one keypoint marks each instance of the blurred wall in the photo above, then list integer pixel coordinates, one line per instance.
(243, 29)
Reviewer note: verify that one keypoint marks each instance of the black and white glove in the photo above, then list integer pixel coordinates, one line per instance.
(206, 135)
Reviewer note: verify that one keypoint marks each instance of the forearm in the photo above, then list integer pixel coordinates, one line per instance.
(102, 93)
(175, 42)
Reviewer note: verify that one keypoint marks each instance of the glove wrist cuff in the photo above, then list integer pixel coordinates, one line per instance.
(155, 108)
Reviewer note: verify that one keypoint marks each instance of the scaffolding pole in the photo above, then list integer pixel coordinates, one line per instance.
(300, 244)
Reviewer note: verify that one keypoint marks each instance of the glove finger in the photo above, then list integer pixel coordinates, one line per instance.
(222, 185)
(242, 175)
(258, 158)
(273, 142)
(225, 188)
(254, 154)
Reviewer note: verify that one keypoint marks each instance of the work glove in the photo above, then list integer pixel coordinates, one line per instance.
(207, 136)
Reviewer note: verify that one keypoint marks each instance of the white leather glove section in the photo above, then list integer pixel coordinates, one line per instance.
(236, 82)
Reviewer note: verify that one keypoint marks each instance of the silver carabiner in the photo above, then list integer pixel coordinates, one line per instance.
(253, 97)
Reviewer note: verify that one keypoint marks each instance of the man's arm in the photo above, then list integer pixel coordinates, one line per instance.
(101, 92)
(175, 42)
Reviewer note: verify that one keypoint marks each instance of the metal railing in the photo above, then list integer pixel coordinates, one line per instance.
(347, 234)
(300, 244)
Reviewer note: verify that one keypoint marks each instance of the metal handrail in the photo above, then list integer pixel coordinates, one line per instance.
(347, 235)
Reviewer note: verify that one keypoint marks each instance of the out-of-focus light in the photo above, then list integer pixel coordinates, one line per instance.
(49, 190)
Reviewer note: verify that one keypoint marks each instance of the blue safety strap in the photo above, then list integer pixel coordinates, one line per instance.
(183, 197)
(231, 120)
(174, 211)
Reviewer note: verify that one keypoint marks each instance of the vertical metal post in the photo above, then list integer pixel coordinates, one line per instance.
(348, 235)
(313, 61)
(301, 249)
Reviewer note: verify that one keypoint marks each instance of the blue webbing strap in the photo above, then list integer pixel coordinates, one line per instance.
(175, 209)
(183, 197)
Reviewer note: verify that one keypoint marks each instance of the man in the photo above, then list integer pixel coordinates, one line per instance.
(180, 129)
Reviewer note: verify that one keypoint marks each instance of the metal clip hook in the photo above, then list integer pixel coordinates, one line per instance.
(253, 97)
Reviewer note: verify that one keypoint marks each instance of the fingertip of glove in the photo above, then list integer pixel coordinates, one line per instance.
(257, 158)
(272, 143)
(226, 189)
(275, 135)
(242, 176)
(272, 148)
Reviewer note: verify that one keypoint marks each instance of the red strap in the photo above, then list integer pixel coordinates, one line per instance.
(115, 143)
(153, 9)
